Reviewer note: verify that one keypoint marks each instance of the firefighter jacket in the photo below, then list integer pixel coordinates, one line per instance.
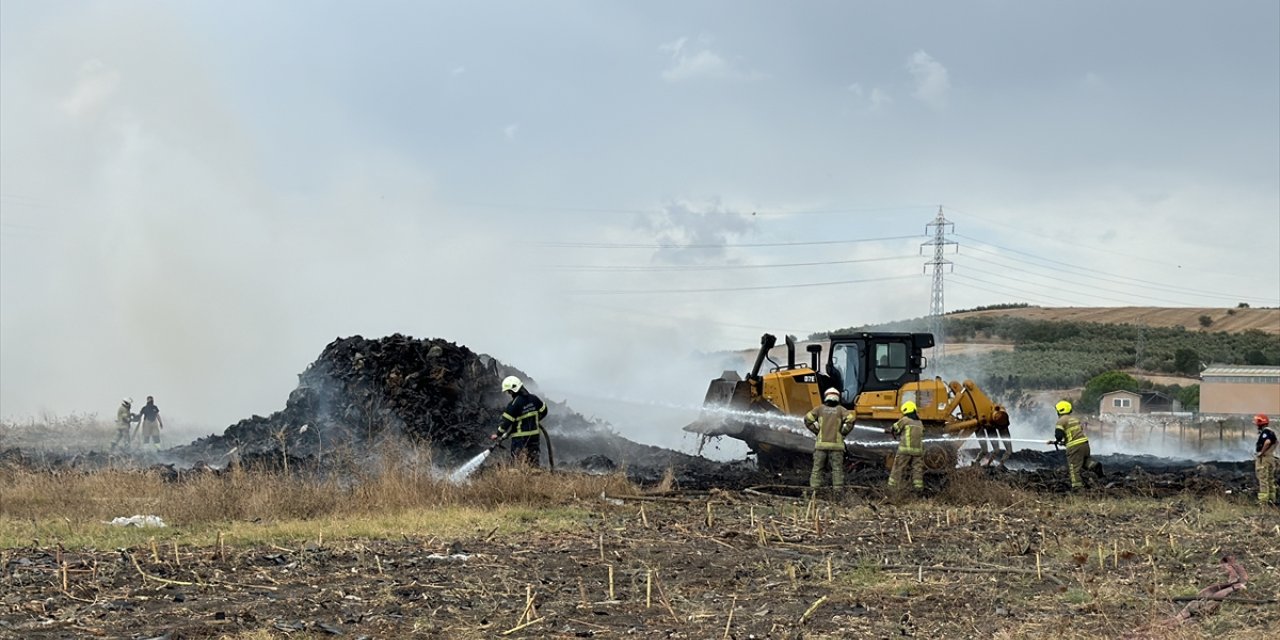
(1266, 435)
(523, 416)
(830, 425)
(1069, 432)
(910, 434)
(123, 417)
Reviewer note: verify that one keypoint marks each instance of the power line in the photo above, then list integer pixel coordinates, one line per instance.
(1005, 293)
(684, 318)
(1076, 244)
(751, 211)
(1176, 290)
(625, 245)
(713, 267)
(1106, 273)
(1034, 294)
(1083, 293)
(801, 285)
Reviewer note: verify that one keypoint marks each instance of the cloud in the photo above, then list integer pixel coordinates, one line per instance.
(710, 227)
(698, 62)
(457, 71)
(511, 130)
(933, 83)
(880, 99)
(875, 100)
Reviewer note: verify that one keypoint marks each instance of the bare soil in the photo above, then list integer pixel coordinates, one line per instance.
(975, 558)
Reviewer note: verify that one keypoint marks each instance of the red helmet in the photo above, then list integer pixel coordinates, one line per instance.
(1261, 420)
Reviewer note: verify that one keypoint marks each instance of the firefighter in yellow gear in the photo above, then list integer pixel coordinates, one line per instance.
(1265, 464)
(1070, 433)
(910, 433)
(830, 423)
(125, 417)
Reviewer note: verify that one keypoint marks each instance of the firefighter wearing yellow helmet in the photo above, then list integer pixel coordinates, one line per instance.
(1070, 433)
(830, 423)
(910, 433)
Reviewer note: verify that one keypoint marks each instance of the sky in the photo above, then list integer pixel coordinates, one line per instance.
(196, 197)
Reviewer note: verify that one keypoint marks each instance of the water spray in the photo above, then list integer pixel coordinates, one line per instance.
(460, 474)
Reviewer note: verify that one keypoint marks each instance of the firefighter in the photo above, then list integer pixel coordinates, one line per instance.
(150, 423)
(124, 423)
(1266, 462)
(522, 421)
(830, 422)
(1070, 433)
(910, 433)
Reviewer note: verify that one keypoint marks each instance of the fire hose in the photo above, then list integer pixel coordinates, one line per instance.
(546, 437)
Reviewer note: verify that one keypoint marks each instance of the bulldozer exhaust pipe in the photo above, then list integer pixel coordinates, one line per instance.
(767, 341)
(791, 353)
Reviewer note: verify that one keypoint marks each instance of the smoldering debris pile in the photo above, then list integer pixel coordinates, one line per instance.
(362, 391)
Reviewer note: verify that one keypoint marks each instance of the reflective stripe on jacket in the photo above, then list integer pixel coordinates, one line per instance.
(911, 436)
(830, 425)
(1072, 431)
(523, 417)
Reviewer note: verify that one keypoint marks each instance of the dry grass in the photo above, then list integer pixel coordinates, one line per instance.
(255, 506)
(972, 486)
(51, 431)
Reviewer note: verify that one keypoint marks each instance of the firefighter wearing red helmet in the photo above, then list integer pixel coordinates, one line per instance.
(1266, 462)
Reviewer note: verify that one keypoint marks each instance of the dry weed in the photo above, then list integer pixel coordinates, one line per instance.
(972, 486)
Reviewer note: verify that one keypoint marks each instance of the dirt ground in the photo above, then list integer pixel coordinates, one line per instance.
(736, 564)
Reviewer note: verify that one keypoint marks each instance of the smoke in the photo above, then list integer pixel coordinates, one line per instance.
(1179, 436)
(148, 248)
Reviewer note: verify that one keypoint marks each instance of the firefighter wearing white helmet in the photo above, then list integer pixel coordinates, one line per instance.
(830, 423)
(124, 419)
(910, 433)
(522, 422)
(1070, 433)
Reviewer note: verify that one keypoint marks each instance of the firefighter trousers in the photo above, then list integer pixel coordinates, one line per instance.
(822, 459)
(1266, 468)
(900, 463)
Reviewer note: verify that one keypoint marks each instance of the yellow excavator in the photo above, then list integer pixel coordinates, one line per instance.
(874, 372)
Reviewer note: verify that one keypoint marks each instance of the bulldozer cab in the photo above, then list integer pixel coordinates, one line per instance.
(862, 362)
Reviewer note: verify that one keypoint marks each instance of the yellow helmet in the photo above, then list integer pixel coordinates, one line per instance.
(908, 407)
(1063, 408)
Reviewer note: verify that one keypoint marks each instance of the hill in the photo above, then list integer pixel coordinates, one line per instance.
(1048, 348)
(1221, 319)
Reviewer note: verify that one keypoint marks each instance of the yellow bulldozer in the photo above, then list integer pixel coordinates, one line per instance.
(874, 372)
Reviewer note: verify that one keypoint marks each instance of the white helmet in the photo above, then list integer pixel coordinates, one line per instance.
(512, 383)
(831, 392)
(127, 400)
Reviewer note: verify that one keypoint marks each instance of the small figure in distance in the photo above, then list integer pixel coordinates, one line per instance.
(150, 423)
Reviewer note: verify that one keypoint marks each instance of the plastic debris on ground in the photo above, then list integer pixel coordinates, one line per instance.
(138, 521)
